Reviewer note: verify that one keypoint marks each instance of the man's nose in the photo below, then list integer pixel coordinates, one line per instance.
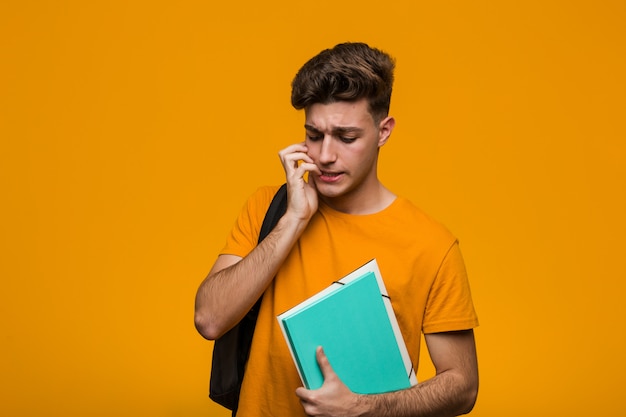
(327, 151)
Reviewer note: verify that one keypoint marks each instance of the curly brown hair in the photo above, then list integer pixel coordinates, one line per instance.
(346, 72)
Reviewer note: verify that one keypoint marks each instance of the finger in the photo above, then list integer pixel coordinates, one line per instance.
(311, 183)
(307, 400)
(292, 160)
(295, 176)
(324, 363)
(293, 146)
(303, 394)
(298, 147)
(306, 167)
(296, 155)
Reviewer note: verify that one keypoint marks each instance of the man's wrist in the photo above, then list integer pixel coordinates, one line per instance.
(294, 224)
(364, 405)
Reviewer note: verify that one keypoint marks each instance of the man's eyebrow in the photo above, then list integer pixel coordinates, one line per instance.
(312, 128)
(338, 130)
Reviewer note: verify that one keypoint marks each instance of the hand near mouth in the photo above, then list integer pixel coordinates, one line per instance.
(302, 200)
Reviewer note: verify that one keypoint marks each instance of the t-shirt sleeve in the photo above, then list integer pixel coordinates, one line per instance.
(244, 235)
(449, 306)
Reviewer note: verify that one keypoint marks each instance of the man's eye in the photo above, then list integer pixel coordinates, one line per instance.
(313, 138)
(346, 139)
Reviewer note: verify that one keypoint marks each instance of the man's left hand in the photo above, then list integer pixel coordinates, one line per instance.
(333, 398)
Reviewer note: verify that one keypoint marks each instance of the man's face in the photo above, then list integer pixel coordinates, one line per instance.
(343, 140)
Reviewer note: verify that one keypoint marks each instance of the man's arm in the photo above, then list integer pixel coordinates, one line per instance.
(234, 284)
(451, 392)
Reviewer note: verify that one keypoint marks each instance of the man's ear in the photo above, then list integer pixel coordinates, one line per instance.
(384, 130)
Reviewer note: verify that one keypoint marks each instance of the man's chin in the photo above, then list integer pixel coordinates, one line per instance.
(329, 191)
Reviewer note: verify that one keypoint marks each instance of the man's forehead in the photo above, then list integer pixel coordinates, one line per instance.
(338, 115)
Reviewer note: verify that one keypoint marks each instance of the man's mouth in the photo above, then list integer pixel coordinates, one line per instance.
(328, 176)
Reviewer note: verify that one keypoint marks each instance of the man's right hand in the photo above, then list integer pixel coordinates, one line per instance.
(234, 284)
(302, 195)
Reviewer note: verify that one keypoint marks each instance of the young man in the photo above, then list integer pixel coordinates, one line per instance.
(339, 216)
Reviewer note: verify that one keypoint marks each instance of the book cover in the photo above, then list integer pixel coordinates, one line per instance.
(354, 322)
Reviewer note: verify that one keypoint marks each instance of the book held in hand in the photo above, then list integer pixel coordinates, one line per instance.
(354, 322)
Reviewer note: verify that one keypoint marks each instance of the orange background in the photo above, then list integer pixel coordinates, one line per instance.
(131, 133)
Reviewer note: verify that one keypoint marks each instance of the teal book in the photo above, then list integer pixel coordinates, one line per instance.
(354, 322)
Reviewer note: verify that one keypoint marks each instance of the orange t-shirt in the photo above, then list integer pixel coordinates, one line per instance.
(420, 262)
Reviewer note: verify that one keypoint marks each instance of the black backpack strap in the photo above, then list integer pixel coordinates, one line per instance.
(277, 208)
